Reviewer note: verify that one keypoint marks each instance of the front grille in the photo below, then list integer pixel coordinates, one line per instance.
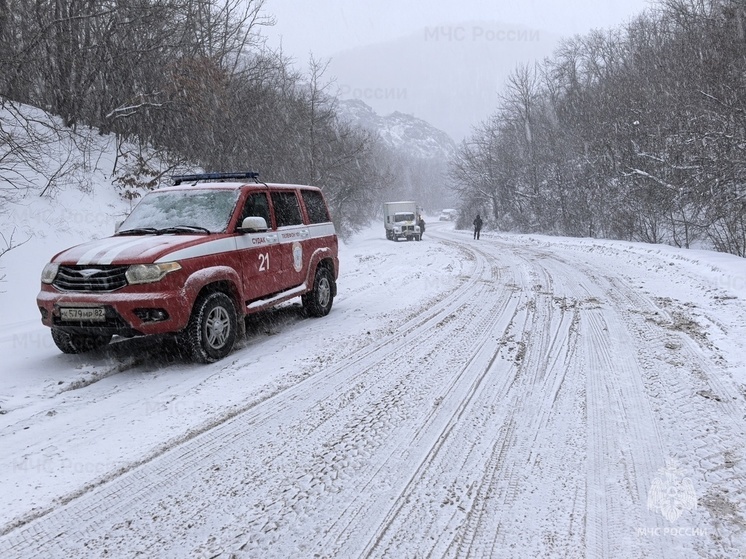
(90, 278)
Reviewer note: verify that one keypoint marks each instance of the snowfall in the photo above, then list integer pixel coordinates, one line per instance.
(513, 396)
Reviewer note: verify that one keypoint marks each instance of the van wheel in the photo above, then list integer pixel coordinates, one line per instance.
(211, 331)
(318, 302)
(78, 343)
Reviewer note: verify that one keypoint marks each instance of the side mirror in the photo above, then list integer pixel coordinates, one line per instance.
(254, 224)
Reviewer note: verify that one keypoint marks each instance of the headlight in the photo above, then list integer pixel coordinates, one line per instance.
(149, 273)
(49, 272)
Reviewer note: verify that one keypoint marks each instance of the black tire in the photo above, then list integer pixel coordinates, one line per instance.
(419, 237)
(318, 301)
(211, 332)
(71, 343)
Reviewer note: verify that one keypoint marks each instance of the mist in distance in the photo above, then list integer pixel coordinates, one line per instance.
(442, 62)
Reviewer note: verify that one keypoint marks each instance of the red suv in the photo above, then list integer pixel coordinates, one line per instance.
(194, 259)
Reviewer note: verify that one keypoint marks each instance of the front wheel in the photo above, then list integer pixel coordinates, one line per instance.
(211, 331)
(70, 343)
(318, 302)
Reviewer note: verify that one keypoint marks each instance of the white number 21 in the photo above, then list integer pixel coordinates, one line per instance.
(263, 261)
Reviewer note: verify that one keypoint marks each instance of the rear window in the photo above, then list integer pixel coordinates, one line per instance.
(315, 206)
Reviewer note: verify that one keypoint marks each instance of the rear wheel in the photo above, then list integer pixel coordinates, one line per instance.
(211, 331)
(72, 343)
(318, 302)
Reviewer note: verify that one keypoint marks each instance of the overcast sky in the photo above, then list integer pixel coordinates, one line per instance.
(326, 27)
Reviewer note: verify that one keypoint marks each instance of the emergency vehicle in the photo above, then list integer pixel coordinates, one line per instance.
(193, 259)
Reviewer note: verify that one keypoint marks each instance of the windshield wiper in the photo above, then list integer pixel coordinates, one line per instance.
(165, 231)
(139, 231)
(183, 229)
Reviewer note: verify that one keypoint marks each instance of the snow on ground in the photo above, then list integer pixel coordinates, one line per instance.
(517, 396)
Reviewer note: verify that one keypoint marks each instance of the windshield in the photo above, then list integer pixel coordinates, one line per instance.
(205, 210)
(404, 217)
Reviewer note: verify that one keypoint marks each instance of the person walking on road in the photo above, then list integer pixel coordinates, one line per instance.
(421, 223)
(477, 226)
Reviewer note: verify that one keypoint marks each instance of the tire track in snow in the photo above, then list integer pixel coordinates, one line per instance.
(700, 411)
(489, 471)
(359, 512)
(408, 508)
(693, 413)
(537, 398)
(561, 385)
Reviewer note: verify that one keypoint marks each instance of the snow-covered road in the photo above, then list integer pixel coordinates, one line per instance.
(513, 397)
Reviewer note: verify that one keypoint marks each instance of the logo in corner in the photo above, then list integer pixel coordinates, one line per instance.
(671, 493)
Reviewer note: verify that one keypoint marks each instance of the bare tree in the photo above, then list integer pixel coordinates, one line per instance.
(637, 132)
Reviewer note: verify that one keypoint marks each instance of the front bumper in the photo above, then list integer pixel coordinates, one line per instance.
(408, 232)
(126, 313)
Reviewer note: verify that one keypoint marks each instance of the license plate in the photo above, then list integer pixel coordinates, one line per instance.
(85, 314)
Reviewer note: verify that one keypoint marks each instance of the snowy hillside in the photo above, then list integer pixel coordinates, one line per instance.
(401, 132)
(58, 187)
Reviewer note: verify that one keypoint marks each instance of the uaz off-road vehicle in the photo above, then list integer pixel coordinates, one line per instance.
(193, 259)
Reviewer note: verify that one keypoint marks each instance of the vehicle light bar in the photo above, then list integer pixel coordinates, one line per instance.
(178, 179)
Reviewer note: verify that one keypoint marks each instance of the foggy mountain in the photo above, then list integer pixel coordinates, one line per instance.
(448, 75)
(401, 132)
(419, 154)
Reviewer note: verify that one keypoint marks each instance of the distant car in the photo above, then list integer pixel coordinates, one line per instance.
(448, 215)
(193, 259)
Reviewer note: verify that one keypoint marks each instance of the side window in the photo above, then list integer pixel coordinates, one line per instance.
(287, 210)
(315, 206)
(256, 205)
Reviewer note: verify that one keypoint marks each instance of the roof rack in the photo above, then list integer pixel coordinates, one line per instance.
(178, 179)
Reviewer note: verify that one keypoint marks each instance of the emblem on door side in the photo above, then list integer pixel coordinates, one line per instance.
(297, 256)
